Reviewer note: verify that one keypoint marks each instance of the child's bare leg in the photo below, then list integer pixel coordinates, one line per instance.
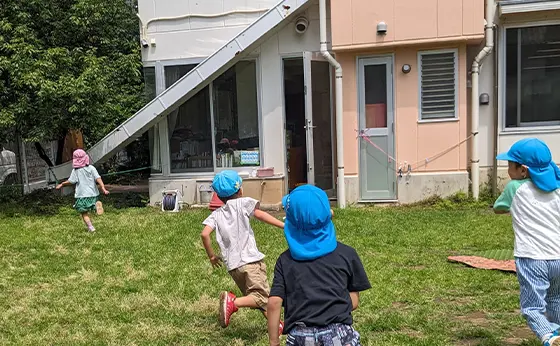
(87, 221)
(249, 302)
(246, 302)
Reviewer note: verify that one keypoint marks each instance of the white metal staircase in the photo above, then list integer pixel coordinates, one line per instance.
(236, 49)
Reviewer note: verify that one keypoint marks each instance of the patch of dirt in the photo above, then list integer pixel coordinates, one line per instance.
(518, 336)
(455, 300)
(469, 342)
(475, 318)
(412, 333)
(400, 306)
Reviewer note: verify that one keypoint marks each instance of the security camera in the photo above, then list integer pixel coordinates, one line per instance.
(144, 43)
(301, 25)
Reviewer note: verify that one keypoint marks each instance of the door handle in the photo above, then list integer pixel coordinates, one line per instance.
(309, 127)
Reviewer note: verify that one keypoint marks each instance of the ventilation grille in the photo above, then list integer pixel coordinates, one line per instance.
(438, 87)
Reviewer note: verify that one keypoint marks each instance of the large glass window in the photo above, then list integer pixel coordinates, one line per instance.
(153, 133)
(236, 122)
(532, 76)
(190, 130)
(149, 83)
(236, 116)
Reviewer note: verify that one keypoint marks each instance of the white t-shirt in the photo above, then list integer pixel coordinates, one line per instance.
(85, 178)
(234, 233)
(536, 219)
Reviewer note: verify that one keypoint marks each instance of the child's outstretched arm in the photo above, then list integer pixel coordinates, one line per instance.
(102, 186)
(207, 242)
(504, 202)
(63, 184)
(267, 218)
(274, 307)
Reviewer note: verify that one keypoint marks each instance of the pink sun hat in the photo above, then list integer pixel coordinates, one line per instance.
(80, 158)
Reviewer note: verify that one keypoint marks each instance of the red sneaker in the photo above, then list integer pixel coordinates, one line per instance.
(281, 328)
(227, 307)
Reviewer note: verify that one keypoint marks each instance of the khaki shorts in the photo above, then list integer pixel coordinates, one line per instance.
(252, 281)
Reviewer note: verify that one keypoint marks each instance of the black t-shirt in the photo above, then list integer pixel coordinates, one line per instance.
(317, 292)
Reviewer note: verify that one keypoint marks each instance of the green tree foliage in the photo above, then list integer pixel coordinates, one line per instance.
(68, 64)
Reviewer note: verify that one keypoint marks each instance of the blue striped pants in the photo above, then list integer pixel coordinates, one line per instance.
(539, 285)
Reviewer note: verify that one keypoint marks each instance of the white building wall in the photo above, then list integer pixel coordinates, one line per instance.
(194, 37)
(506, 138)
(549, 134)
(184, 39)
(287, 43)
(486, 124)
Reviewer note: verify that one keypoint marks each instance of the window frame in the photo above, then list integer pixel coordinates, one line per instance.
(533, 127)
(167, 157)
(421, 53)
(258, 81)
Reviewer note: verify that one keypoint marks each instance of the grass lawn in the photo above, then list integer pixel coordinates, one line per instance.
(144, 279)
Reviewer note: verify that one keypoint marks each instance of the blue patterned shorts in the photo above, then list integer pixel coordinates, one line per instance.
(332, 335)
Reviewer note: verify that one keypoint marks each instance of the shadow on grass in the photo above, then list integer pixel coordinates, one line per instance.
(48, 202)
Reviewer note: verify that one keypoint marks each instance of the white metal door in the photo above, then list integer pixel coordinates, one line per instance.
(318, 120)
(377, 166)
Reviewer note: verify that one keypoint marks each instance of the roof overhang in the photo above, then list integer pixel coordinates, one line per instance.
(525, 6)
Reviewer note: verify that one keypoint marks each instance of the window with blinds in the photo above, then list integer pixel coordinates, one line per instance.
(438, 85)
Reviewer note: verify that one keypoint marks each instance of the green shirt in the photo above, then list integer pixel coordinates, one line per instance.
(503, 203)
(84, 179)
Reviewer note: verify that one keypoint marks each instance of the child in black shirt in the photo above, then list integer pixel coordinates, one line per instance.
(317, 280)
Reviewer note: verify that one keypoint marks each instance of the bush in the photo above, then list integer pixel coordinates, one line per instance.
(460, 200)
(10, 193)
(127, 200)
(49, 202)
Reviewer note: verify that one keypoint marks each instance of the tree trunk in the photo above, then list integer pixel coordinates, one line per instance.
(59, 151)
(72, 140)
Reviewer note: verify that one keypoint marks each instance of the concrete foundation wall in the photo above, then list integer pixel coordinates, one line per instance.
(268, 191)
(420, 186)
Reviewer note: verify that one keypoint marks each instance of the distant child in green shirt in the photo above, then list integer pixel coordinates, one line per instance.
(85, 177)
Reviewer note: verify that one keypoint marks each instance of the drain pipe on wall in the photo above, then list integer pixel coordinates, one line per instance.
(475, 107)
(340, 192)
(496, 123)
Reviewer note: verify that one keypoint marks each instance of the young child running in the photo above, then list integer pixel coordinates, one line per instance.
(533, 199)
(317, 279)
(237, 244)
(85, 177)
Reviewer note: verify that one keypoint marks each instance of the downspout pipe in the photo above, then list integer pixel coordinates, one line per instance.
(475, 106)
(341, 190)
(496, 123)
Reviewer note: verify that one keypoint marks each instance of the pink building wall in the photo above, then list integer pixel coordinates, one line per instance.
(354, 23)
(413, 26)
(414, 141)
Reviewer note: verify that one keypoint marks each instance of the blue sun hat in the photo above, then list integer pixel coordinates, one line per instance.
(308, 227)
(535, 155)
(226, 183)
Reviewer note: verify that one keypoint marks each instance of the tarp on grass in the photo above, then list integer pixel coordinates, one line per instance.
(502, 260)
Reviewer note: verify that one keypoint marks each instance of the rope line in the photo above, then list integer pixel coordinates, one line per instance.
(418, 164)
